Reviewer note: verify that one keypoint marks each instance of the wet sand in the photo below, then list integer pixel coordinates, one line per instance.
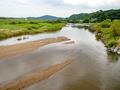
(6, 51)
(33, 77)
(70, 42)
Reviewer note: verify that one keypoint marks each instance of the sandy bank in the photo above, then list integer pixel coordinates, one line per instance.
(70, 42)
(33, 77)
(6, 51)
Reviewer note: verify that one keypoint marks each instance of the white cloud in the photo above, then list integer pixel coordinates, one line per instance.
(92, 3)
(23, 1)
(64, 8)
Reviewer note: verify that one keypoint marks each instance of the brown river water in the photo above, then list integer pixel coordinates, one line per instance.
(93, 68)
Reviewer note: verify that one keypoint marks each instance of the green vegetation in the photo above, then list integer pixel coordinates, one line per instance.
(108, 31)
(10, 27)
(105, 24)
(76, 18)
(95, 16)
(103, 15)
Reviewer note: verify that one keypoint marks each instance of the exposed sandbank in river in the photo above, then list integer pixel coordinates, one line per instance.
(33, 77)
(6, 51)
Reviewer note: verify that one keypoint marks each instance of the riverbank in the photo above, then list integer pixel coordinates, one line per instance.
(6, 51)
(109, 33)
(17, 27)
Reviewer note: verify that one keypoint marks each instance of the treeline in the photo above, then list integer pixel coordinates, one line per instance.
(95, 16)
(77, 17)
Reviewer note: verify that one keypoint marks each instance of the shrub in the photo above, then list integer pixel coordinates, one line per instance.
(106, 24)
(111, 43)
(33, 22)
(34, 27)
(98, 29)
(86, 20)
(29, 28)
(19, 22)
(13, 22)
(92, 27)
(116, 27)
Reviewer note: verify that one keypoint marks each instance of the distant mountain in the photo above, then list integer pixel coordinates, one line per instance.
(45, 17)
(48, 17)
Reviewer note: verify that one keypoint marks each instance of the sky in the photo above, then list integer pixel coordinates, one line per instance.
(60, 8)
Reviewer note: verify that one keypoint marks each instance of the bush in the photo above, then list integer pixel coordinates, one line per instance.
(111, 43)
(13, 22)
(106, 24)
(19, 22)
(116, 27)
(33, 22)
(34, 27)
(92, 28)
(86, 20)
(98, 29)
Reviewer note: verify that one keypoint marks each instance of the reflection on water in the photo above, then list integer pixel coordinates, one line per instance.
(92, 69)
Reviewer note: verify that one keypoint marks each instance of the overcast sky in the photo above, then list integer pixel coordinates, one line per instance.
(62, 8)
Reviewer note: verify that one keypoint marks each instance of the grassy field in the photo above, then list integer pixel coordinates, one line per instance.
(108, 31)
(16, 27)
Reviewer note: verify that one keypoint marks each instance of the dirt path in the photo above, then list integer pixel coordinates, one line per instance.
(6, 51)
(34, 77)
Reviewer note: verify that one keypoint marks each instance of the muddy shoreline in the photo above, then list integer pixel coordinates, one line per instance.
(7, 51)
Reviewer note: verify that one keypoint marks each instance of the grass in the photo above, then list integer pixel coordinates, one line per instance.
(107, 31)
(16, 27)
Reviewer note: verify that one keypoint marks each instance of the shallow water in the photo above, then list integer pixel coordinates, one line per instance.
(93, 67)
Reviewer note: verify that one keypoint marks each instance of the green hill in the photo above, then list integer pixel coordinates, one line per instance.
(96, 16)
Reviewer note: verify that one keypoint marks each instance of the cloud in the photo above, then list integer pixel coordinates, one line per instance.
(23, 1)
(94, 3)
(24, 8)
(53, 2)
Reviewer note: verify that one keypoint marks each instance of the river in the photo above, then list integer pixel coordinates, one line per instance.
(93, 68)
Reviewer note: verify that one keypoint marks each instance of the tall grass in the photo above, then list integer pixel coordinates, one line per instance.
(116, 27)
(108, 32)
(16, 27)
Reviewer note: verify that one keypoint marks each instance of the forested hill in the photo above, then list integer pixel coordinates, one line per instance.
(80, 16)
(96, 16)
